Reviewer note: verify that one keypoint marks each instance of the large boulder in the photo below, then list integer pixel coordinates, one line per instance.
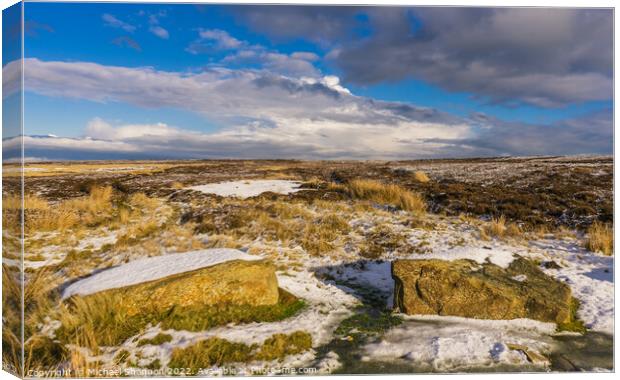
(467, 289)
(195, 279)
(235, 282)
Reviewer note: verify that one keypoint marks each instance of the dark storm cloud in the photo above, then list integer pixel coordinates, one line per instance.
(544, 57)
(547, 57)
(316, 23)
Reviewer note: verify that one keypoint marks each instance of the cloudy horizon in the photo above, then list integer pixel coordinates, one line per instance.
(166, 81)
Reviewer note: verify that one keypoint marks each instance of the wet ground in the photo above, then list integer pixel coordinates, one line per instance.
(592, 351)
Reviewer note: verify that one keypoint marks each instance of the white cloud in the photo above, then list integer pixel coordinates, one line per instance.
(306, 56)
(295, 64)
(291, 138)
(214, 39)
(111, 20)
(159, 32)
(263, 115)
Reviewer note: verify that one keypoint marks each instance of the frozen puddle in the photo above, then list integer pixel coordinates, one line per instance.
(452, 343)
(249, 188)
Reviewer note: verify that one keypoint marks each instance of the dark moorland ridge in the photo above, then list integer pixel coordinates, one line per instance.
(573, 191)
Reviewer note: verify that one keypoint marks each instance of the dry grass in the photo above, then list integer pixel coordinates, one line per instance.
(499, 228)
(320, 236)
(41, 352)
(600, 238)
(89, 210)
(57, 169)
(421, 177)
(31, 202)
(390, 194)
(380, 240)
(217, 351)
(143, 203)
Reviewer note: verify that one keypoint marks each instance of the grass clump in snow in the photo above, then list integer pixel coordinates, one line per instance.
(390, 194)
(421, 177)
(157, 340)
(500, 228)
(600, 238)
(98, 317)
(381, 239)
(217, 352)
(279, 346)
(320, 235)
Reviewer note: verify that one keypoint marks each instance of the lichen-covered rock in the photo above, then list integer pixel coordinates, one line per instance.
(467, 289)
(237, 282)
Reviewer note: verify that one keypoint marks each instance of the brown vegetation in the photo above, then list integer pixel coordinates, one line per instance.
(600, 238)
(387, 194)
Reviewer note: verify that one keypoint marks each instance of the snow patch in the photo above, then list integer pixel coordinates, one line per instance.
(452, 343)
(495, 256)
(153, 268)
(249, 188)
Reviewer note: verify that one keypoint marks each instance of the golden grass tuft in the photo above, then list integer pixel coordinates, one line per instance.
(421, 177)
(500, 228)
(391, 194)
(319, 237)
(143, 203)
(600, 238)
(31, 202)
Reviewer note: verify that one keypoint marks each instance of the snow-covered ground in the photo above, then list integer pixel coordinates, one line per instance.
(432, 343)
(452, 343)
(153, 268)
(249, 188)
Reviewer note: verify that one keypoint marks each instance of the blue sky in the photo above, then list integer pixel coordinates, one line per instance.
(431, 82)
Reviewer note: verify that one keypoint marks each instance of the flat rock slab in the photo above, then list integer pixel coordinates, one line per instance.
(237, 282)
(154, 268)
(468, 289)
(194, 279)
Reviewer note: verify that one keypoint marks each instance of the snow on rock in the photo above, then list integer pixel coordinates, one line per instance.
(452, 343)
(499, 257)
(249, 188)
(153, 268)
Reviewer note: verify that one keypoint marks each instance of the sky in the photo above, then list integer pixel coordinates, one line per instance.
(167, 81)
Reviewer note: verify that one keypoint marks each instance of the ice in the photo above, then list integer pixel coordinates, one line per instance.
(453, 343)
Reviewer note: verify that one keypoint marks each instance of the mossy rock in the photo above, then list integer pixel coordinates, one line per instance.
(465, 288)
(239, 282)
